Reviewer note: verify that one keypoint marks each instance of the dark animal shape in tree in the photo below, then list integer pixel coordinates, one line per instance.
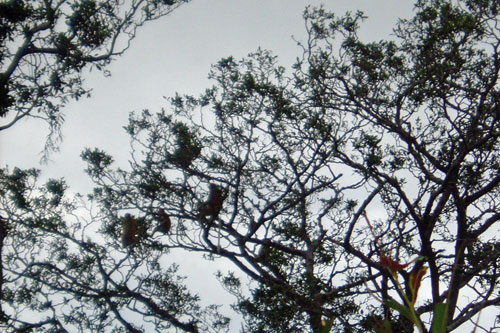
(213, 205)
(130, 228)
(263, 254)
(164, 223)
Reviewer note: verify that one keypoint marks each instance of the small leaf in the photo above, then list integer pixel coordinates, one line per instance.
(415, 280)
(392, 265)
(383, 326)
(440, 318)
(403, 310)
(326, 325)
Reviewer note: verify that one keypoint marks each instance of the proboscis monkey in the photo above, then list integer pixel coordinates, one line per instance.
(164, 223)
(263, 253)
(213, 205)
(129, 230)
(212, 208)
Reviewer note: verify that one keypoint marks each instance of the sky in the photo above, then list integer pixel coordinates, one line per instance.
(172, 55)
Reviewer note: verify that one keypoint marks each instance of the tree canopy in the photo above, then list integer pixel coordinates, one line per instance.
(46, 46)
(337, 188)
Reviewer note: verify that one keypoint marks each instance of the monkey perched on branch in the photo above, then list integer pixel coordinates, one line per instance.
(213, 205)
(130, 230)
(164, 223)
(263, 254)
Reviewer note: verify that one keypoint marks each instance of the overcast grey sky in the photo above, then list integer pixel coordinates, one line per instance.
(172, 55)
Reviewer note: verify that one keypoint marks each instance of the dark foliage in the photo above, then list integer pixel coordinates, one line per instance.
(403, 133)
(45, 46)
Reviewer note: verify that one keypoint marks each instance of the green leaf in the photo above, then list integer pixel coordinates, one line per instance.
(440, 318)
(415, 280)
(383, 326)
(403, 310)
(326, 325)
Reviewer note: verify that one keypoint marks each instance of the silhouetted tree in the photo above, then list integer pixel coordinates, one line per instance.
(66, 270)
(45, 46)
(335, 176)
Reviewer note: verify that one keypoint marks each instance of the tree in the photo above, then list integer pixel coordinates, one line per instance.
(46, 46)
(47, 270)
(366, 156)
(65, 269)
